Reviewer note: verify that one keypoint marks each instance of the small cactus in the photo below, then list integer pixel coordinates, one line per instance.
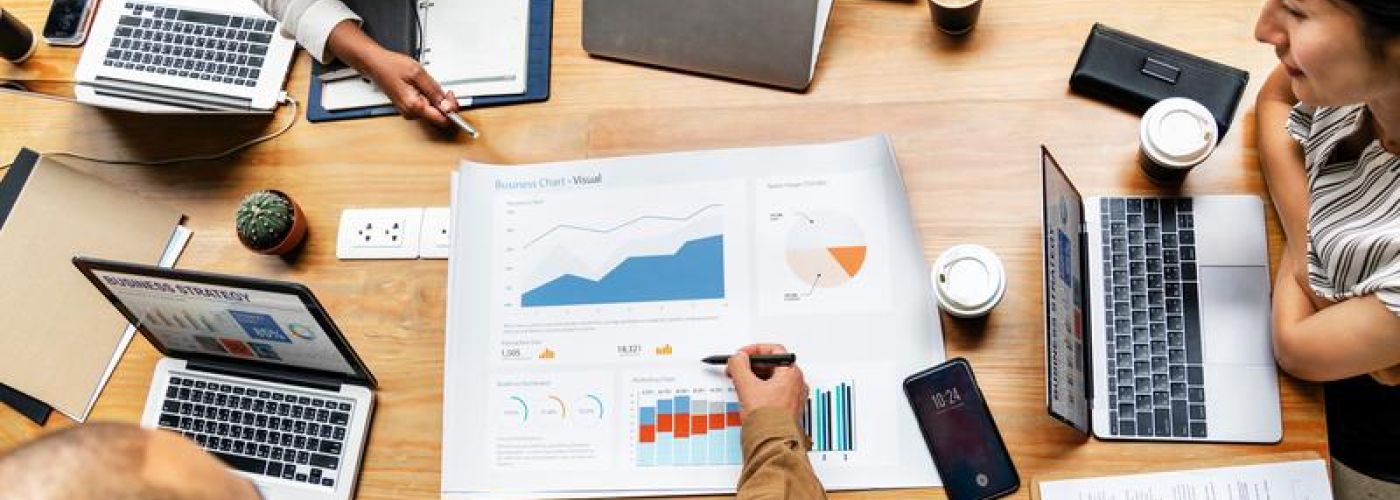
(264, 219)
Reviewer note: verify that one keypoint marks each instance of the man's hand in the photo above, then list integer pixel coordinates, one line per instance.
(413, 91)
(1389, 376)
(777, 387)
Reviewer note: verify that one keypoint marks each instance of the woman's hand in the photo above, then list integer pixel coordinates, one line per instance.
(413, 91)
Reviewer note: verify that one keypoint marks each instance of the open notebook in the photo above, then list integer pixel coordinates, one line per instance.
(772, 42)
(471, 47)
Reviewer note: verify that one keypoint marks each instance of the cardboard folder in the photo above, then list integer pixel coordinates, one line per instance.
(59, 334)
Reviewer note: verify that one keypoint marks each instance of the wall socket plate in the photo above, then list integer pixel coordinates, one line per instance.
(379, 233)
(435, 240)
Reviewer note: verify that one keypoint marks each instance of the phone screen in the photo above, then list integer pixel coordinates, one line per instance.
(960, 432)
(66, 18)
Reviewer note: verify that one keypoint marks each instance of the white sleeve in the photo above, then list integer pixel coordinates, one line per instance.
(309, 21)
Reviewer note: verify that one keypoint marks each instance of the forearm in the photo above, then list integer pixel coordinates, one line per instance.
(350, 44)
(775, 458)
(1281, 160)
(1350, 338)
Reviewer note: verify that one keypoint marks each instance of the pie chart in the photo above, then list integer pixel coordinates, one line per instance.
(825, 249)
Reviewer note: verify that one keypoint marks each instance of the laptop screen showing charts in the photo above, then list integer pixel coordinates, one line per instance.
(1066, 380)
(229, 322)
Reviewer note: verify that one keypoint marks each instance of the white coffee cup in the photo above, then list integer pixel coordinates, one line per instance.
(1176, 134)
(968, 281)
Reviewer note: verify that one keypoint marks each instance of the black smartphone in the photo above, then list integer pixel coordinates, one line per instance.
(958, 428)
(68, 21)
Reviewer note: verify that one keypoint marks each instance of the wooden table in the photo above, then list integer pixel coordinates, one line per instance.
(966, 117)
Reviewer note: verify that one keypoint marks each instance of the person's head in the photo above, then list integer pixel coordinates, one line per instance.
(117, 462)
(1337, 52)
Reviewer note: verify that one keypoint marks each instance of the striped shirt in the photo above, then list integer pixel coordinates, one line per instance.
(1354, 215)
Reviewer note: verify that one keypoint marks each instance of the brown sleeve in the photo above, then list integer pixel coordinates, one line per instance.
(775, 458)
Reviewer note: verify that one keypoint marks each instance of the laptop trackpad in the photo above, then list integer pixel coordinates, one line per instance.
(1235, 312)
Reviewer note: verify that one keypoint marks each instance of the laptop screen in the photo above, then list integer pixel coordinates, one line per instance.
(1066, 391)
(189, 317)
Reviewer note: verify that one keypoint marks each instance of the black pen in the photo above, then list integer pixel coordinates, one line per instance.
(757, 359)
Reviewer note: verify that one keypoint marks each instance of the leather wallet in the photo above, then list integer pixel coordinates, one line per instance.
(1135, 73)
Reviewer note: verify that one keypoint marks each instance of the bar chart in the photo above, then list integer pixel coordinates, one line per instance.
(688, 430)
(829, 418)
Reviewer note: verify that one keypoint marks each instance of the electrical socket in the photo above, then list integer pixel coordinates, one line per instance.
(379, 233)
(435, 240)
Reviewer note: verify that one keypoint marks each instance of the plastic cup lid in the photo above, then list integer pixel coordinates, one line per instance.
(1180, 130)
(969, 279)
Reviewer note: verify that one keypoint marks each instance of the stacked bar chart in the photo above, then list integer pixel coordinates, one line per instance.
(830, 418)
(688, 431)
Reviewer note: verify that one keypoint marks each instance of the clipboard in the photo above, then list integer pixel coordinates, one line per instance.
(1209, 463)
(536, 84)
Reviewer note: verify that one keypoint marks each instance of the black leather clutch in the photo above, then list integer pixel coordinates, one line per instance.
(1135, 73)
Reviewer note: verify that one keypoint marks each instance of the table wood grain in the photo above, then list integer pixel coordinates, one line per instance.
(966, 116)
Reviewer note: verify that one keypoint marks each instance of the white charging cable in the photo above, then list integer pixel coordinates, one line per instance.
(283, 98)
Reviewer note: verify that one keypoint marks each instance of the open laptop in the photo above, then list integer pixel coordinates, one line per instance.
(254, 372)
(183, 56)
(1157, 316)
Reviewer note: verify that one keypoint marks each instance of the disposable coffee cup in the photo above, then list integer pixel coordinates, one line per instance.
(955, 17)
(1176, 135)
(17, 42)
(968, 281)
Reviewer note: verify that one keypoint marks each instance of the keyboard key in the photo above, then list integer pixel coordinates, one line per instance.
(1196, 395)
(1198, 412)
(301, 477)
(245, 464)
(260, 37)
(340, 418)
(330, 447)
(1198, 429)
(1144, 423)
(274, 469)
(1178, 419)
(169, 420)
(289, 471)
(1195, 375)
(323, 461)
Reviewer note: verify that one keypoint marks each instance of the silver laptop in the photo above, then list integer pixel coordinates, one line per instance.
(1157, 316)
(183, 56)
(254, 372)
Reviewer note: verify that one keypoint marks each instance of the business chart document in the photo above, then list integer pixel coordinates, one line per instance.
(583, 295)
(1300, 480)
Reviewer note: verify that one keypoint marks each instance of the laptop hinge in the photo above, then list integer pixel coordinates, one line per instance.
(1088, 319)
(238, 370)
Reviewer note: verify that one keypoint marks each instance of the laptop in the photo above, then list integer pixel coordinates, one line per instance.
(1157, 316)
(183, 56)
(255, 372)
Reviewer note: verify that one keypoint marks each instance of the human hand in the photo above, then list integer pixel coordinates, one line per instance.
(1389, 376)
(412, 90)
(781, 387)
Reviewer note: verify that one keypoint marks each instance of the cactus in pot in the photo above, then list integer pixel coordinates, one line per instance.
(270, 222)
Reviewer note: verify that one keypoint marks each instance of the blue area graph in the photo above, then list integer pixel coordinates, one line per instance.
(694, 272)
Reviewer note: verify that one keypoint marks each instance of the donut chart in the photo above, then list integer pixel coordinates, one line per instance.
(825, 249)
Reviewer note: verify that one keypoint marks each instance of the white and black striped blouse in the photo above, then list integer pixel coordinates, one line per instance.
(1354, 218)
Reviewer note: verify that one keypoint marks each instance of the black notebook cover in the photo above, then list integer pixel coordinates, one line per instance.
(1135, 73)
(10, 188)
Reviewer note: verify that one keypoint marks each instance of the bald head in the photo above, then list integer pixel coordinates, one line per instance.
(116, 462)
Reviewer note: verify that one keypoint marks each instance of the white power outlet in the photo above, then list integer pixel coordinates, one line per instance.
(379, 233)
(435, 241)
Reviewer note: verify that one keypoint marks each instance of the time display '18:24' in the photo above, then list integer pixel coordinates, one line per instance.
(946, 399)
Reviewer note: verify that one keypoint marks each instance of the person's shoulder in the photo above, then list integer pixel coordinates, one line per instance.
(1308, 123)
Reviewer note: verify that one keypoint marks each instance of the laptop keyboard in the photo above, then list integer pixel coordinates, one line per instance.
(260, 430)
(190, 44)
(1155, 374)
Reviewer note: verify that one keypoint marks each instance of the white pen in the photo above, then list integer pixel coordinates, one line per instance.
(462, 124)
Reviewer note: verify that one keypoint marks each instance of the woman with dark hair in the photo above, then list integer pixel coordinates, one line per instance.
(1329, 143)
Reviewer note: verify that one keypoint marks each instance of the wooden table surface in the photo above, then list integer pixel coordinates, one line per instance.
(966, 117)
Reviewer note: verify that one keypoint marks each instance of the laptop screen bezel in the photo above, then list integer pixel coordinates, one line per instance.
(361, 375)
(1047, 161)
